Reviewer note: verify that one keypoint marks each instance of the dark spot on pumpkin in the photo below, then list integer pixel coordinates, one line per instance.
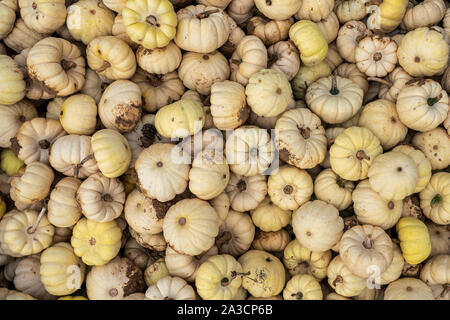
(417, 59)
(92, 11)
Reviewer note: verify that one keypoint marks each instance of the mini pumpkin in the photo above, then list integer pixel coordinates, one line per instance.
(284, 57)
(342, 280)
(393, 83)
(351, 71)
(278, 9)
(424, 14)
(12, 82)
(387, 16)
(27, 278)
(159, 60)
(63, 210)
(307, 75)
(435, 144)
(408, 289)
(170, 288)
(269, 31)
(22, 37)
(302, 287)
(236, 234)
(269, 217)
(8, 16)
(78, 114)
(349, 10)
(10, 164)
(349, 36)
(273, 241)
(317, 49)
(43, 16)
(329, 187)
(14, 116)
(434, 199)
(246, 192)
(155, 271)
(414, 240)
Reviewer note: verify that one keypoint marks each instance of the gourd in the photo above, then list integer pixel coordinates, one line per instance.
(381, 118)
(387, 16)
(268, 92)
(269, 31)
(93, 86)
(273, 241)
(236, 35)
(419, 62)
(155, 242)
(62, 272)
(209, 174)
(249, 150)
(63, 210)
(349, 36)
(137, 254)
(58, 65)
(376, 56)
(329, 187)
(422, 105)
(353, 152)
(435, 144)
(159, 176)
(96, 243)
(439, 237)
(34, 185)
(180, 119)
(334, 99)
(236, 234)
(115, 280)
(300, 260)
(10, 164)
(228, 105)
(301, 138)
(394, 271)
(371, 208)
(27, 278)
(43, 16)
(436, 270)
(266, 276)
(414, 240)
(111, 57)
(155, 271)
(424, 14)
(14, 116)
(190, 226)
(342, 280)
(6, 294)
(101, 199)
(72, 155)
(240, 10)
(201, 29)
(219, 278)
(269, 217)
(24, 233)
(120, 105)
(307, 75)
(317, 225)
(222, 4)
(365, 248)
(317, 47)
(435, 198)
(329, 27)
(170, 288)
(408, 289)
(302, 287)
(278, 9)
(112, 152)
(12, 83)
(8, 16)
(351, 71)
(396, 80)
(89, 19)
(159, 60)
(249, 57)
(78, 114)
(246, 192)
(21, 37)
(349, 10)
(393, 175)
(284, 57)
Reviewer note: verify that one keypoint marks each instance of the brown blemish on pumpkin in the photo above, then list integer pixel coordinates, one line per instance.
(288, 189)
(136, 281)
(149, 135)
(361, 154)
(92, 11)
(127, 115)
(338, 280)
(390, 205)
(44, 144)
(159, 164)
(160, 208)
(92, 241)
(15, 146)
(241, 185)
(417, 59)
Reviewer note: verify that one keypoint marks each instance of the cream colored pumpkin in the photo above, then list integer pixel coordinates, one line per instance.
(27, 278)
(269, 31)
(228, 104)
(284, 57)
(155, 271)
(342, 280)
(78, 115)
(170, 288)
(190, 226)
(351, 71)
(246, 192)
(349, 37)
(61, 271)
(63, 210)
(396, 80)
(436, 270)
(307, 75)
(249, 57)
(440, 292)
(371, 208)
(301, 138)
(72, 155)
(334, 99)
(267, 276)
(394, 271)
(302, 287)
(435, 198)
(43, 16)
(300, 260)
(381, 118)
(329, 27)
(439, 237)
(268, 92)
(158, 175)
(94, 85)
(408, 289)
(376, 56)
(273, 241)
(422, 105)
(240, 10)
(333, 58)
(159, 60)
(329, 187)
(118, 30)
(424, 14)
(236, 234)
(348, 10)
(435, 144)
(111, 57)
(201, 29)
(278, 9)
(115, 280)
(8, 16)
(12, 82)
(21, 37)
(14, 116)
(236, 35)
(317, 225)
(155, 242)
(269, 217)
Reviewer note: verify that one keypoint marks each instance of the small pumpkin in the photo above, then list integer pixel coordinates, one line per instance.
(329, 187)
(351, 71)
(349, 10)
(78, 114)
(434, 199)
(408, 289)
(283, 56)
(63, 210)
(269, 217)
(273, 241)
(170, 288)
(21, 37)
(10, 164)
(349, 36)
(439, 237)
(246, 192)
(307, 75)
(278, 9)
(317, 48)
(302, 287)
(159, 60)
(424, 14)
(393, 83)
(236, 234)
(12, 81)
(27, 278)
(8, 16)
(43, 16)
(14, 116)
(387, 16)
(155, 271)
(269, 31)
(414, 240)
(342, 280)
(435, 144)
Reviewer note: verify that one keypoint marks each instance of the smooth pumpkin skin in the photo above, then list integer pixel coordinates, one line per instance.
(12, 83)
(302, 287)
(112, 152)
(78, 114)
(310, 41)
(414, 240)
(435, 198)
(10, 164)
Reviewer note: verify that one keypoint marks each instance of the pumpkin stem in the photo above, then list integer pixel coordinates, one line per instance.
(154, 80)
(105, 66)
(305, 132)
(67, 65)
(224, 238)
(226, 281)
(33, 228)
(334, 89)
(242, 186)
(89, 157)
(288, 189)
(152, 20)
(390, 205)
(382, 81)
(338, 279)
(362, 155)
(107, 198)
(437, 199)
(44, 144)
(298, 295)
(432, 101)
(377, 56)
(207, 13)
(368, 243)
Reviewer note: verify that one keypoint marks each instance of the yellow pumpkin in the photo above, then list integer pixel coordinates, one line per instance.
(310, 41)
(269, 217)
(96, 243)
(302, 287)
(12, 84)
(435, 198)
(219, 278)
(180, 119)
(156, 271)
(78, 114)
(414, 240)
(62, 272)
(388, 15)
(278, 9)
(151, 24)
(112, 152)
(10, 164)
(307, 75)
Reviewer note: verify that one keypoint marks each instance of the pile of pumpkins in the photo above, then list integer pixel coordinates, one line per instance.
(224, 149)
